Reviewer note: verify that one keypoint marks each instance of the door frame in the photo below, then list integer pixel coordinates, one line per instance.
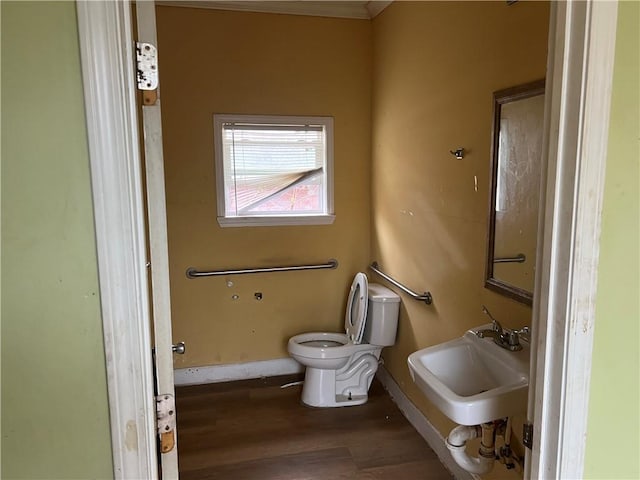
(579, 82)
(107, 60)
(581, 46)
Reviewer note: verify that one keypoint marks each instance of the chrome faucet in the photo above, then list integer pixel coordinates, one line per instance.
(503, 337)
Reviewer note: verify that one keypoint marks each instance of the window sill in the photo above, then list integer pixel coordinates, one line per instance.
(258, 221)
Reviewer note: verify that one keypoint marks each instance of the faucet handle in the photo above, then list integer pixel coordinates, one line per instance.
(524, 332)
(495, 324)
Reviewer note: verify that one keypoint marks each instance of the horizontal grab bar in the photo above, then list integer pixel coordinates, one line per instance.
(425, 297)
(193, 273)
(520, 258)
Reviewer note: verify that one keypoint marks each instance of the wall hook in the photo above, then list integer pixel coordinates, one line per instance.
(458, 153)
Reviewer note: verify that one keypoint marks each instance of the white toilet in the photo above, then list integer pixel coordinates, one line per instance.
(340, 366)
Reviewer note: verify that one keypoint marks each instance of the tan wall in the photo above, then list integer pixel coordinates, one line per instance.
(230, 62)
(436, 65)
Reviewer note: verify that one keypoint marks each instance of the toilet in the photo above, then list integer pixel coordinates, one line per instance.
(341, 366)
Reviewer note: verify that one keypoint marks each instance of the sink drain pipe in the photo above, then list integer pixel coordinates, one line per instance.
(457, 443)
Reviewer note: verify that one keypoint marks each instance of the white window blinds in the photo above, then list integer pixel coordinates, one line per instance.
(274, 169)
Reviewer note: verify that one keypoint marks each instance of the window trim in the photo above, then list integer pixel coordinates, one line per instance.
(272, 220)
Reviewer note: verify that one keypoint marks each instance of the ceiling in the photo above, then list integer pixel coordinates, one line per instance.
(341, 9)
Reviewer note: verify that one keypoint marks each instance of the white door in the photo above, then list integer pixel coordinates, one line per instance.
(158, 250)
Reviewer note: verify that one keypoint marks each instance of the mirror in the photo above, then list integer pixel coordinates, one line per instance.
(516, 157)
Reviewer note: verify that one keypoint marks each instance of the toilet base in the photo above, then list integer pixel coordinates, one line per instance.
(345, 387)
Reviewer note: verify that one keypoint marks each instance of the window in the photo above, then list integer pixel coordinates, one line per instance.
(274, 170)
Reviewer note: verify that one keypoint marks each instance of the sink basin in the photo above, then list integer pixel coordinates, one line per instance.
(471, 379)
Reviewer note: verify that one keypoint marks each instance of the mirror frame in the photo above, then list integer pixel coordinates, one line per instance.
(500, 98)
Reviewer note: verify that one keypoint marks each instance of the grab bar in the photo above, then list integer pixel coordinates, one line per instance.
(193, 273)
(520, 258)
(425, 297)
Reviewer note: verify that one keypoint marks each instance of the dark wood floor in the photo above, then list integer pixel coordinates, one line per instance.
(257, 430)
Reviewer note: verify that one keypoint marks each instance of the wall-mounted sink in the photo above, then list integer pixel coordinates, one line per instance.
(471, 379)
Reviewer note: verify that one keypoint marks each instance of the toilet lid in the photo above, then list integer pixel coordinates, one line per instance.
(355, 317)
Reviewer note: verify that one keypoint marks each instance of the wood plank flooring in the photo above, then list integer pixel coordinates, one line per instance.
(256, 430)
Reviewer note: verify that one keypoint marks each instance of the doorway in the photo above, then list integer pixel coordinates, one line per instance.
(114, 31)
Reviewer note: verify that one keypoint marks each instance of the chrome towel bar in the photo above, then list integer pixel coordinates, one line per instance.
(193, 273)
(519, 258)
(425, 297)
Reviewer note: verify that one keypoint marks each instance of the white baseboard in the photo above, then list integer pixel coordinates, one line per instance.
(236, 371)
(422, 425)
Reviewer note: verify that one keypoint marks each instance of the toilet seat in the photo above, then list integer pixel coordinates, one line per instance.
(321, 345)
(356, 314)
(339, 367)
(329, 345)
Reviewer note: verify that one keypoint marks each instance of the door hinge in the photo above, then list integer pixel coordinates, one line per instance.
(147, 63)
(147, 72)
(166, 421)
(527, 435)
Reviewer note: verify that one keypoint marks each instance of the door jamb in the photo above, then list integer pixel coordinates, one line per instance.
(158, 241)
(579, 81)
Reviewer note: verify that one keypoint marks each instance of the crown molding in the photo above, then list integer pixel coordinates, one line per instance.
(375, 7)
(341, 9)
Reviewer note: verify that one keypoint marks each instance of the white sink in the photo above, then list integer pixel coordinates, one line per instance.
(471, 379)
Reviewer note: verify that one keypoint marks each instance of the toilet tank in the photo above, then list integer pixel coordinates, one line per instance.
(382, 316)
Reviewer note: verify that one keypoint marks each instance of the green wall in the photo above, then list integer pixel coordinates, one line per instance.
(613, 449)
(55, 418)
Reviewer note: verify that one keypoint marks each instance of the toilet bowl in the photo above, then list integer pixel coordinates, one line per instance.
(341, 366)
